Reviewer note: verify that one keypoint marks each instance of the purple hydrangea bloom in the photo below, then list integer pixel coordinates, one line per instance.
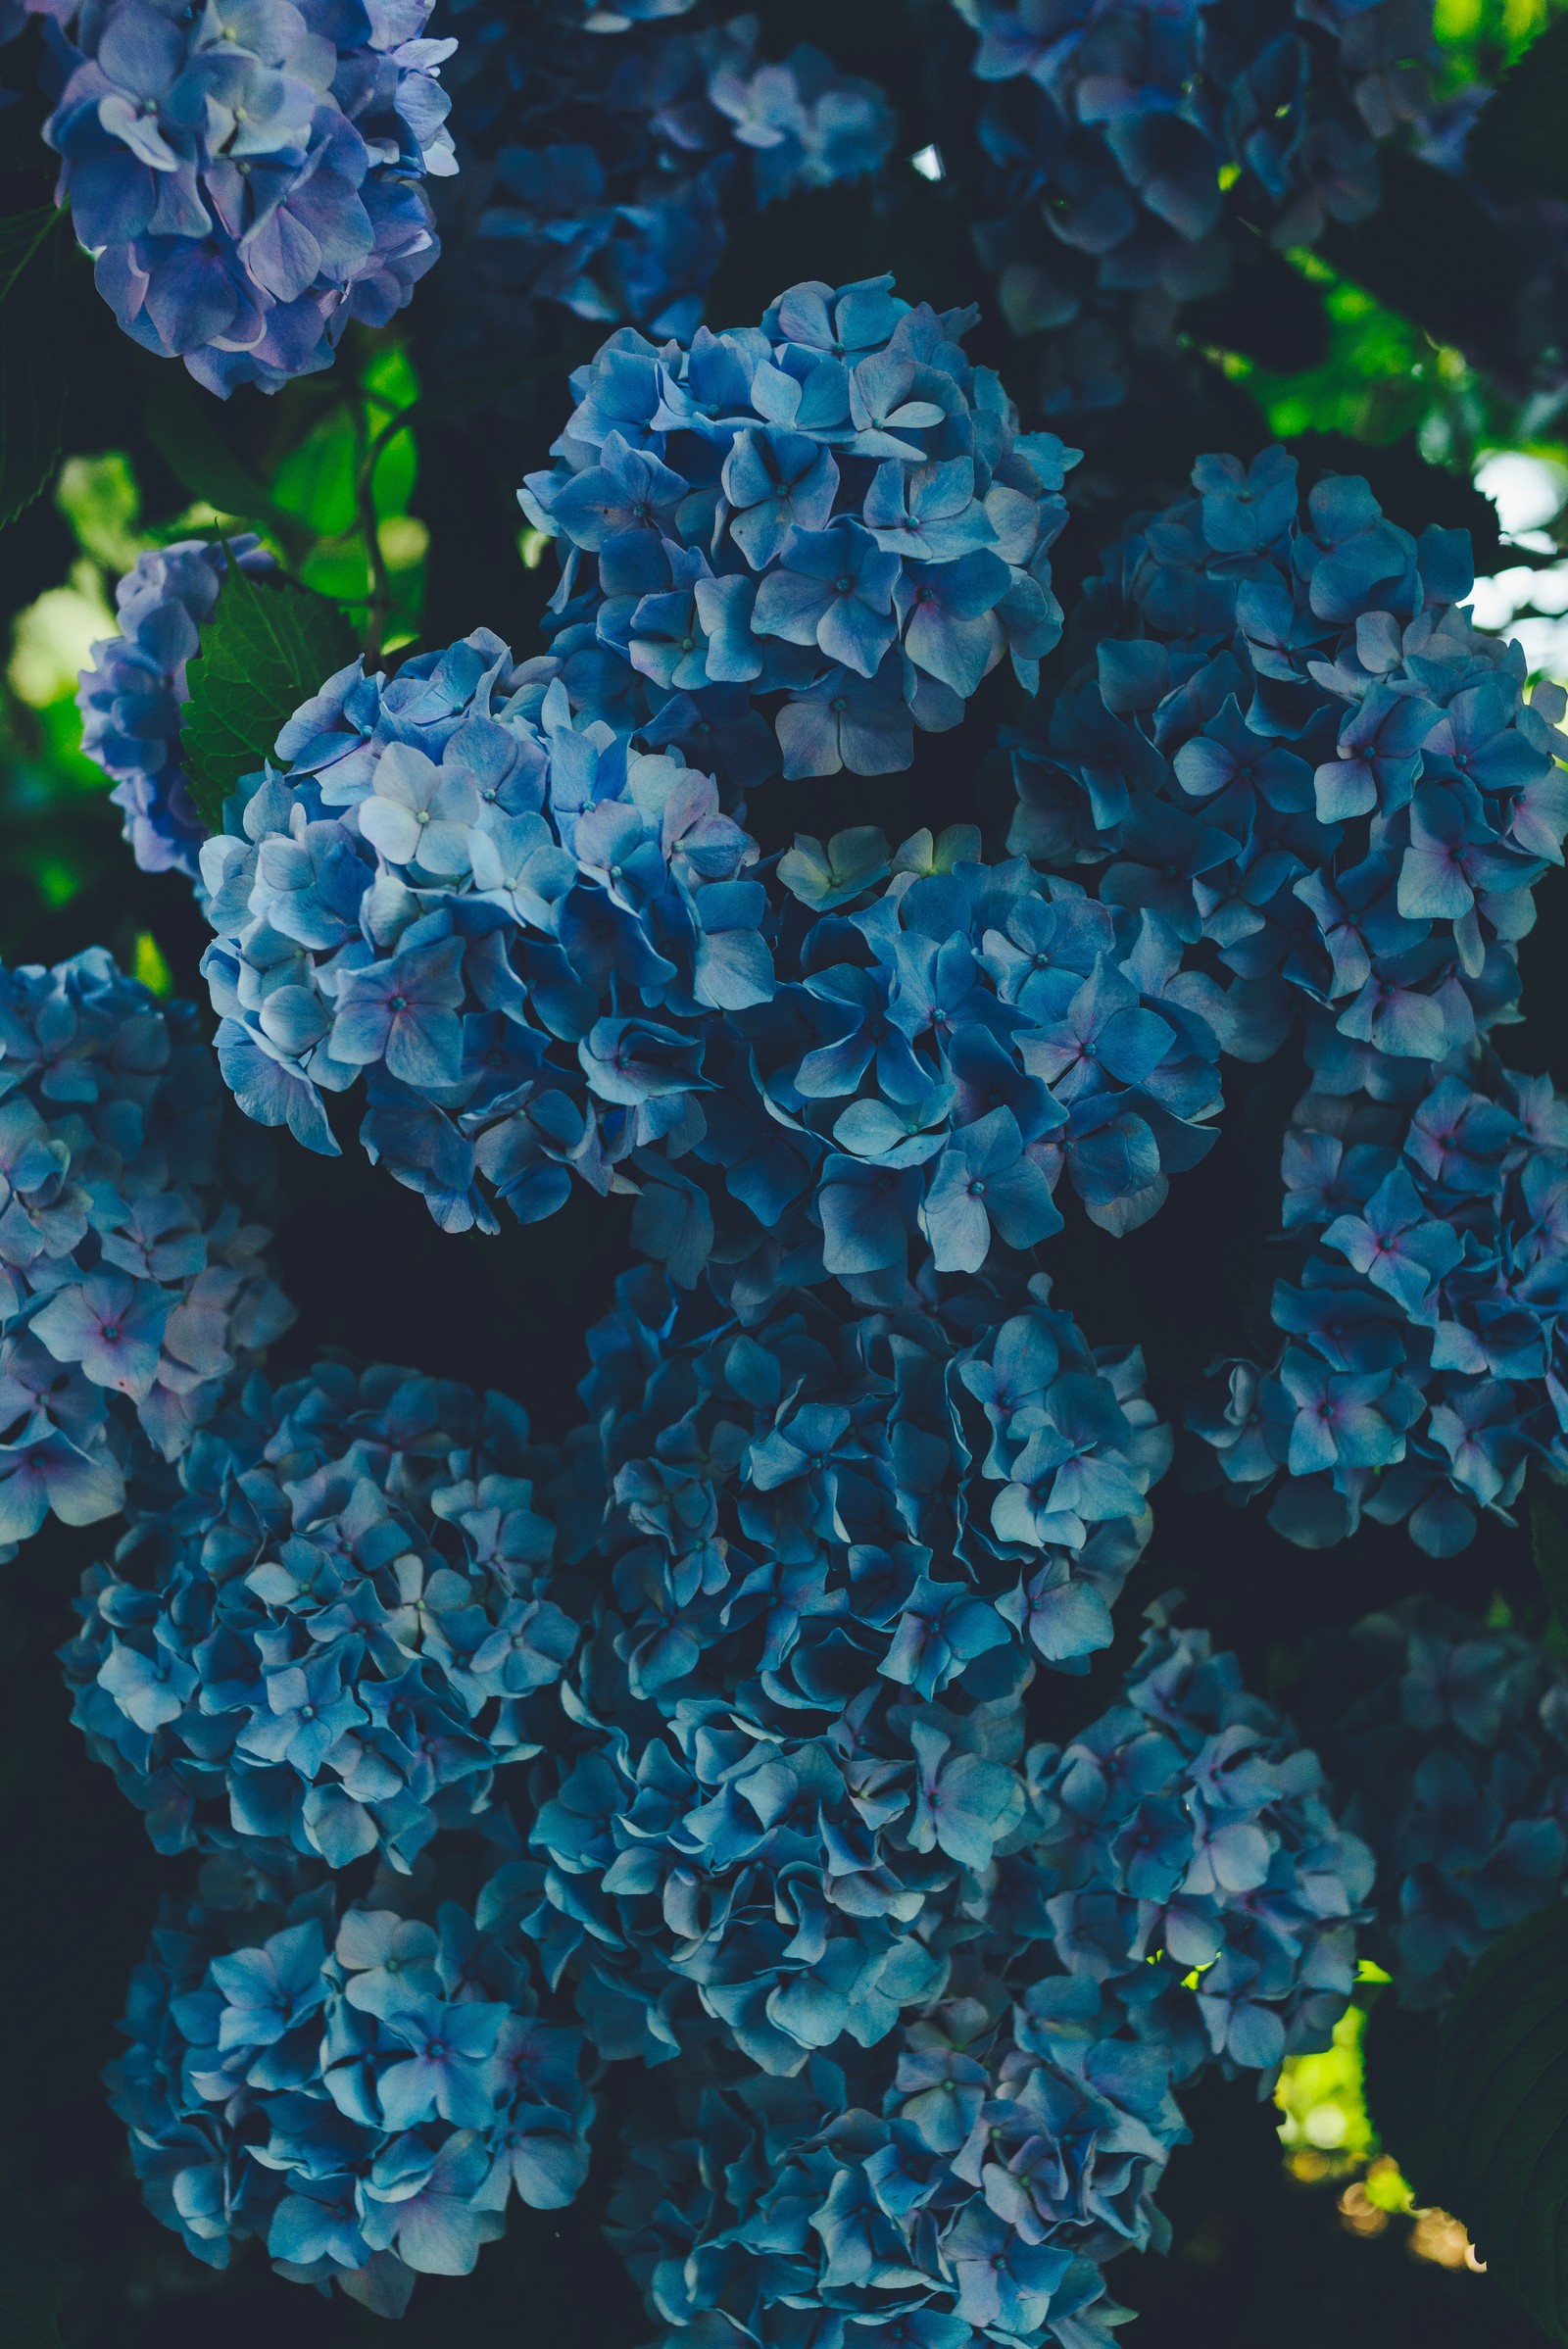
(249, 181)
(131, 1288)
(132, 698)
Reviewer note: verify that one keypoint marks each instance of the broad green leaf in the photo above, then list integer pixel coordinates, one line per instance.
(268, 646)
(1397, 2067)
(182, 425)
(1519, 146)
(33, 348)
(1498, 2109)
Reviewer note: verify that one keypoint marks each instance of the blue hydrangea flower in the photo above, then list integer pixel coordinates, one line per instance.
(905, 2197)
(1294, 745)
(830, 1556)
(360, 2088)
(1418, 1308)
(836, 508)
(1187, 1899)
(131, 1288)
(1446, 1743)
(133, 697)
(1205, 1884)
(604, 176)
(332, 1638)
(249, 180)
(552, 957)
(1109, 137)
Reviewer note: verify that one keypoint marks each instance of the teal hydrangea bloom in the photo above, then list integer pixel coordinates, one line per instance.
(1422, 1283)
(334, 1637)
(362, 2087)
(1294, 745)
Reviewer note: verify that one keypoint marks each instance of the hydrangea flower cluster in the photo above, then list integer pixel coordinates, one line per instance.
(1446, 1743)
(607, 177)
(1297, 747)
(830, 1552)
(956, 2197)
(330, 1641)
(130, 1289)
(835, 508)
(968, 2177)
(1204, 1882)
(360, 2088)
(132, 695)
(1426, 1255)
(248, 178)
(552, 957)
(1110, 136)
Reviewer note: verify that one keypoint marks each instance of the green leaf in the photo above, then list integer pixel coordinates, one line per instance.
(33, 347)
(32, 2283)
(1397, 2069)
(1519, 146)
(21, 237)
(268, 646)
(183, 428)
(1499, 2144)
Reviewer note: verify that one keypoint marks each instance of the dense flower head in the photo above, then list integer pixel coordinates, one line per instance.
(360, 2085)
(829, 1556)
(1205, 1882)
(834, 512)
(1110, 135)
(1446, 1743)
(1423, 1256)
(132, 1286)
(332, 1638)
(1187, 1898)
(247, 174)
(605, 176)
(552, 957)
(1296, 745)
(961, 2190)
(132, 698)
